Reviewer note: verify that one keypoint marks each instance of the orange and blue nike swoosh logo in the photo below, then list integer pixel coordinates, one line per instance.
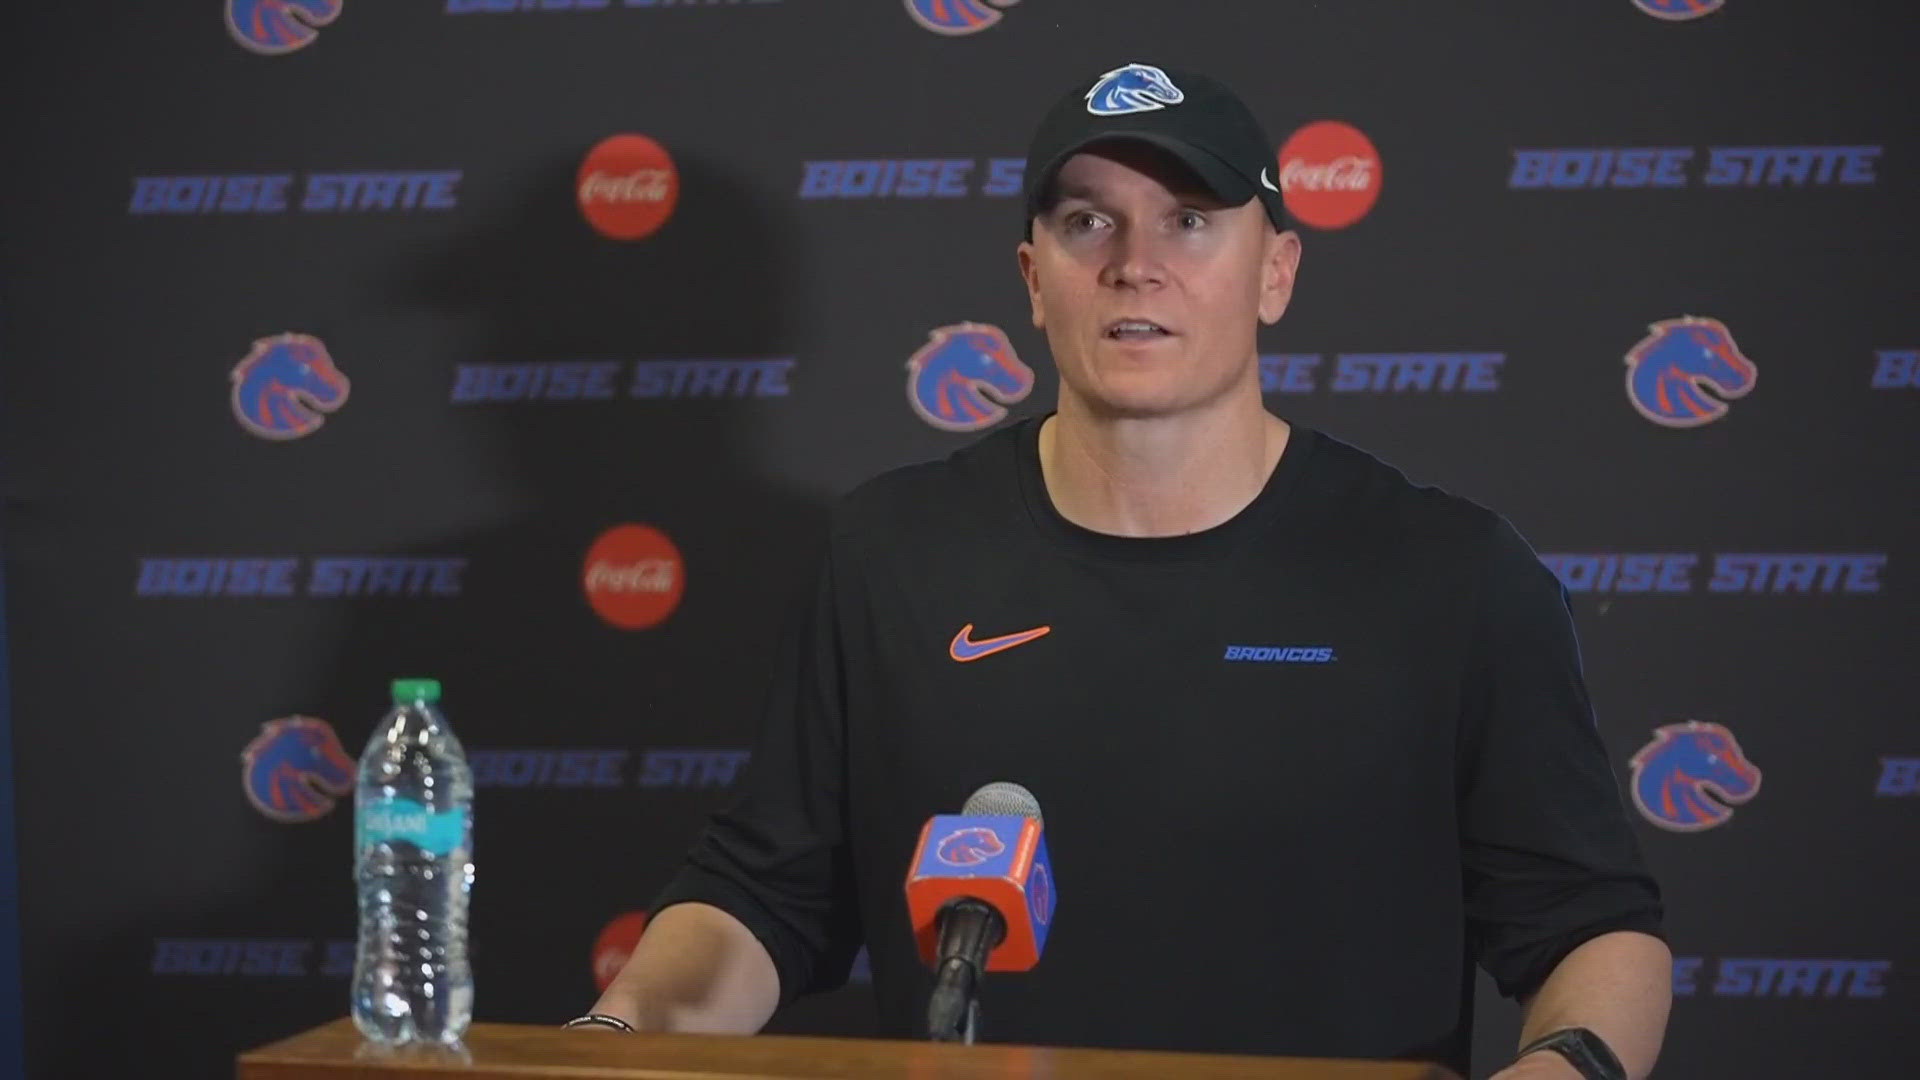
(964, 648)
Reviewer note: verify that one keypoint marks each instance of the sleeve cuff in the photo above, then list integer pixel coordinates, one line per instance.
(1529, 982)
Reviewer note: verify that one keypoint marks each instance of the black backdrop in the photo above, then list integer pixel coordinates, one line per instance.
(168, 918)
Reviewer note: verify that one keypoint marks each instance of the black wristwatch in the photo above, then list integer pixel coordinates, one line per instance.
(1589, 1054)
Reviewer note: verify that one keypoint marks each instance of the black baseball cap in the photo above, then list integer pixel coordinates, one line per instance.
(1194, 118)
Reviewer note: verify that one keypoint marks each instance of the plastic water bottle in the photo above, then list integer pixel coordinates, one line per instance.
(413, 859)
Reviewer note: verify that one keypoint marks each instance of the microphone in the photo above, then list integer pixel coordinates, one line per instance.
(980, 893)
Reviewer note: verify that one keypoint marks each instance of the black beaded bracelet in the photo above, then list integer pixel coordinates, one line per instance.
(599, 1020)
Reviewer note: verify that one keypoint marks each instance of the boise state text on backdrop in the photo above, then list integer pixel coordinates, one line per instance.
(280, 576)
(1382, 373)
(1578, 168)
(520, 7)
(276, 193)
(1678, 572)
(679, 767)
(605, 380)
(911, 178)
(1896, 369)
(1781, 978)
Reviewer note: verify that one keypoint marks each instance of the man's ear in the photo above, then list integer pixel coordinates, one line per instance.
(1030, 273)
(1279, 264)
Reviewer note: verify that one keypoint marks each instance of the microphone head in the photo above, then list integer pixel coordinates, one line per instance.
(1002, 797)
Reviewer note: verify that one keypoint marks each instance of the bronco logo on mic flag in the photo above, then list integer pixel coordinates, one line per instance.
(999, 858)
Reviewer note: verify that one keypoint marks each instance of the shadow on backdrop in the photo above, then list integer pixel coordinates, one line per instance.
(526, 662)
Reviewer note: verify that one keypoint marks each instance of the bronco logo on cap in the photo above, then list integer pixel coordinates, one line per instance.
(1131, 89)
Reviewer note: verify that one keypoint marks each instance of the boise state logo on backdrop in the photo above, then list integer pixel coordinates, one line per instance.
(957, 16)
(295, 768)
(1131, 89)
(1677, 10)
(279, 26)
(1674, 774)
(951, 378)
(283, 386)
(1668, 369)
(969, 847)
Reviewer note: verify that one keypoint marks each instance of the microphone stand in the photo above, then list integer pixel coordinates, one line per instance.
(969, 930)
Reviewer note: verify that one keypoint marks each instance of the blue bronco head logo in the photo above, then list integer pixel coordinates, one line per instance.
(950, 377)
(1673, 774)
(1668, 368)
(1131, 89)
(957, 16)
(295, 768)
(279, 26)
(284, 384)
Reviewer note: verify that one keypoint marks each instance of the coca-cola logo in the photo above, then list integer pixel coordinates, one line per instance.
(633, 576)
(647, 575)
(615, 945)
(1348, 173)
(640, 185)
(627, 187)
(1329, 174)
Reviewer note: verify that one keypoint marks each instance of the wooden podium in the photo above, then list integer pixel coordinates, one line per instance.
(500, 1051)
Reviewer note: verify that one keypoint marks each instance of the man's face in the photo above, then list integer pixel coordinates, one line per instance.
(1149, 288)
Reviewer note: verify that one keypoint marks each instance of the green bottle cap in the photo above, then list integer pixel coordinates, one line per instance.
(408, 691)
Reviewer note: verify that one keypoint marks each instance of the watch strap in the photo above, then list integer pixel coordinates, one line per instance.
(1588, 1053)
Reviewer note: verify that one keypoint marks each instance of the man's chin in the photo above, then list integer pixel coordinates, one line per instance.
(1140, 402)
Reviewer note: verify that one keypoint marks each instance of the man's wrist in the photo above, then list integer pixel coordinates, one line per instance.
(622, 1005)
(1541, 1065)
(1582, 1053)
(600, 1020)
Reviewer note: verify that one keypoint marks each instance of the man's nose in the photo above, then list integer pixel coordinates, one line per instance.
(1134, 259)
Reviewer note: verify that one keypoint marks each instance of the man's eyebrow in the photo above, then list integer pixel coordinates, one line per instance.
(1195, 197)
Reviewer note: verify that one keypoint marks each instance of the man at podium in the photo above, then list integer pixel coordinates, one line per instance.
(1311, 740)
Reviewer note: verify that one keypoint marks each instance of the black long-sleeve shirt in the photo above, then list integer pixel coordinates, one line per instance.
(1299, 770)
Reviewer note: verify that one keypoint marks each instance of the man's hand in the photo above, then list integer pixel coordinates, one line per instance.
(1539, 1065)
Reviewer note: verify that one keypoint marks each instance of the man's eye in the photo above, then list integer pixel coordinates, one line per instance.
(1081, 221)
(1191, 219)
